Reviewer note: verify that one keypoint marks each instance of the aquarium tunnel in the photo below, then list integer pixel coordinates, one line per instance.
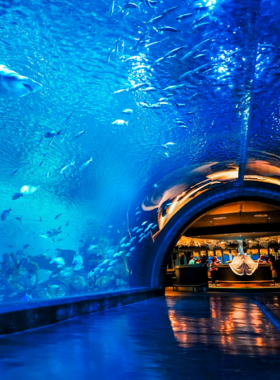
(121, 125)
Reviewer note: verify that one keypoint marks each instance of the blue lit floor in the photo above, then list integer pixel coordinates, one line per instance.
(197, 337)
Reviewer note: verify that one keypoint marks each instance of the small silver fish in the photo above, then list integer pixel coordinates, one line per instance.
(85, 164)
(120, 122)
(79, 134)
(127, 111)
(111, 10)
(67, 167)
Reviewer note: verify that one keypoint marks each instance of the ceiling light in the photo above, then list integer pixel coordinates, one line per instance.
(220, 217)
(260, 216)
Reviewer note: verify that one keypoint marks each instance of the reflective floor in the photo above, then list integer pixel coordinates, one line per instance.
(197, 337)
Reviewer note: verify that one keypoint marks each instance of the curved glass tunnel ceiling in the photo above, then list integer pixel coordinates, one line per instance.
(145, 118)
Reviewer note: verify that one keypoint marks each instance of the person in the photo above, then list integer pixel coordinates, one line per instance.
(198, 261)
(262, 259)
(213, 270)
(217, 261)
(203, 259)
(191, 262)
(277, 268)
(272, 267)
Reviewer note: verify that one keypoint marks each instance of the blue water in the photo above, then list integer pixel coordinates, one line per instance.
(229, 107)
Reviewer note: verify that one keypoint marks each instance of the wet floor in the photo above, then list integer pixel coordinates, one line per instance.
(198, 337)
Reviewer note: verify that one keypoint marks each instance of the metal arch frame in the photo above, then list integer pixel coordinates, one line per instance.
(155, 262)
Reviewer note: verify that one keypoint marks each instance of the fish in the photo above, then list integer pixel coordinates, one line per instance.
(174, 87)
(195, 48)
(40, 219)
(180, 104)
(14, 171)
(123, 239)
(112, 7)
(201, 18)
(129, 111)
(120, 122)
(17, 196)
(156, 19)
(57, 216)
(182, 17)
(149, 5)
(141, 39)
(19, 219)
(52, 134)
(165, 146)
(119, 91)
(85, 164)
(58, 260)
(28, 189)
(79, 134)
(68, 117)
(201, 25)
(129, 6)
(199, 56)
(92, 247)
(67, 167)
(157, 61)
(149, 89)
(78, 259)
(26, 246)
(195, 70)
(168, 29)
(62, 138)
(115, 49)
(139, 85)
(26, 298)
(5, 214)
(141, 66)
(14, 85)
(174, 51)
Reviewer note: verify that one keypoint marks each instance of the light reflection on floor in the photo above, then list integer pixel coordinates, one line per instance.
(201, 337)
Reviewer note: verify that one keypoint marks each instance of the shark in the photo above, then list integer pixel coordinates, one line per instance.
(14, 85)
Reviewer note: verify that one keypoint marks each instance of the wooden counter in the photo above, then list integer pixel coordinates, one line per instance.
(192, 278)
(263, 273)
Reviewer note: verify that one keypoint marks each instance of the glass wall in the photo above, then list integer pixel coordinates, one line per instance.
(113, 117)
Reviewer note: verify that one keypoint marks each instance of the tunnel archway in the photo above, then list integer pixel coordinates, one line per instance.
(148, 268)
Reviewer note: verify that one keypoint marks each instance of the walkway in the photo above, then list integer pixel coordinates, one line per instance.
(201, 337)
